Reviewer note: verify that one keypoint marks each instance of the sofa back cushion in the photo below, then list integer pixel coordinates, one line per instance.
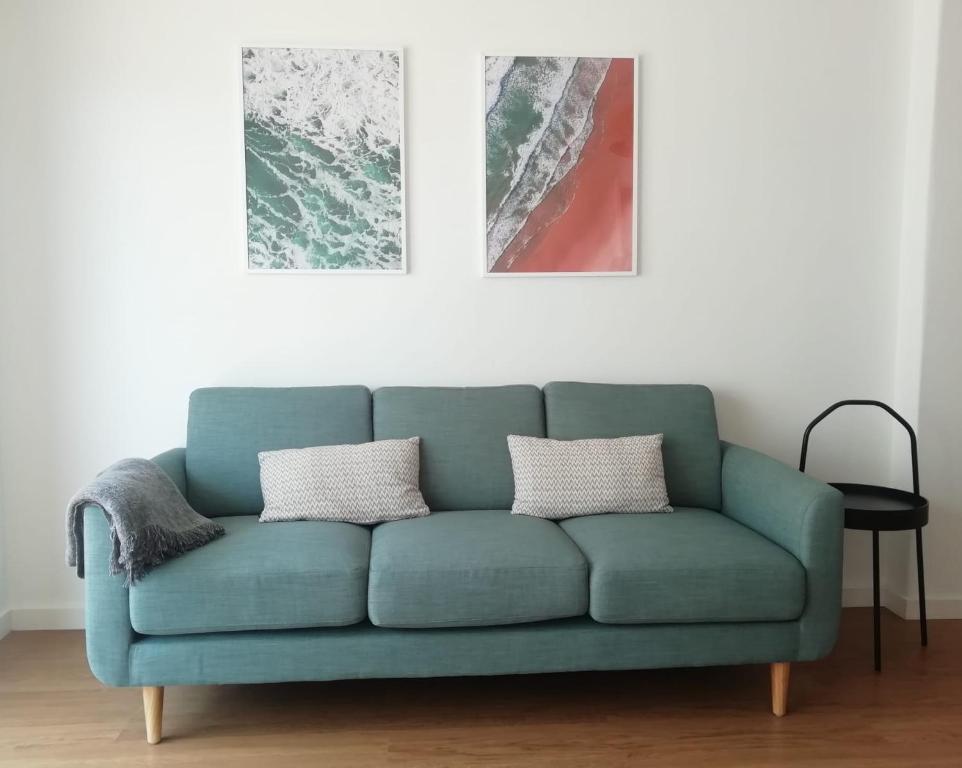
(228, 426)
(465, 462)
(684, 414)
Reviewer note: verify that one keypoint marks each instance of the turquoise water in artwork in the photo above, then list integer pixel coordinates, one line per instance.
(322, 137)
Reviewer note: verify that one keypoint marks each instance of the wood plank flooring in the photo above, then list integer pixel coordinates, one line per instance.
(841, 713)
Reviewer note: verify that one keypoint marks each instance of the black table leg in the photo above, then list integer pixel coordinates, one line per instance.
(876, 602)
(918, 555)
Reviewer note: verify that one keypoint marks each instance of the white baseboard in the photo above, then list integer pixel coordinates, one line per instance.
(861, 597)
(936, 606)
(47, 618)
(6, 623)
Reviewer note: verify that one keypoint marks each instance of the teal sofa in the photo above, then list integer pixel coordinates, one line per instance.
(745, 570)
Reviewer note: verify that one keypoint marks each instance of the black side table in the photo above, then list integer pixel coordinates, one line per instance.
(877, 508)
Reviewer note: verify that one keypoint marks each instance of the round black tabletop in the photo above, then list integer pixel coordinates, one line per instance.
(877, 508)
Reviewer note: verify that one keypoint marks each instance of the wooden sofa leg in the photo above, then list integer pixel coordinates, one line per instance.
(153, 712)
(780, 675)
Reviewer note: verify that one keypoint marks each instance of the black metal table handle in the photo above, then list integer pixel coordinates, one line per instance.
(913, 442)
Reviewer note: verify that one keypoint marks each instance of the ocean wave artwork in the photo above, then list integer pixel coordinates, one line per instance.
(322, 145)
(559, 165)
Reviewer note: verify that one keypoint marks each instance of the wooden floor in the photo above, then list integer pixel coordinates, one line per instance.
(53, 713)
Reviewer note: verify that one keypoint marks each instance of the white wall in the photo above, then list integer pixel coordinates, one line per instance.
(9, 18)
(5, 613)
(772, 161)
(940, 418)
(910, 309)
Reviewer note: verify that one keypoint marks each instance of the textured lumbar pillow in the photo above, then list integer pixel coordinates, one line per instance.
(566, 478)
(366, 483)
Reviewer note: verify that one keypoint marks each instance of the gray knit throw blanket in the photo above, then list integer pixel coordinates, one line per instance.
(149, 520)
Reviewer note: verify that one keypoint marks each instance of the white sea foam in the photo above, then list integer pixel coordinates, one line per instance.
(495, 68)
(333, 95)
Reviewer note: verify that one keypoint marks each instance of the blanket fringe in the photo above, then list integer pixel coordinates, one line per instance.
(138, 554)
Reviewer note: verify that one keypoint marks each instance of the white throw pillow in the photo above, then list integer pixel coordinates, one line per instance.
(556, 479)
(365, 483)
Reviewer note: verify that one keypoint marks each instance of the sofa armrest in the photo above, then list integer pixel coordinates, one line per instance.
(109, 634)
(174, 463)
(106, 605)
(803, 516)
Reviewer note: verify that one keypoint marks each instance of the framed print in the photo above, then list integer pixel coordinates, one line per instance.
(323, 160)
(560, 154)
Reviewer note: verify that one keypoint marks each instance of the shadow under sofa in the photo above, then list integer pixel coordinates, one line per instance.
(747, 569)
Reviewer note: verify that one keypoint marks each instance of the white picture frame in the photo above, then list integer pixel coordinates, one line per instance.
(482, 213)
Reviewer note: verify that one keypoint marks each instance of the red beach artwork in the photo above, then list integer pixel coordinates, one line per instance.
(560, 165)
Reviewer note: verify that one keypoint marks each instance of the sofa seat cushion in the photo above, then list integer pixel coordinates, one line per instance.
(474, 568)
(692, 565)
(259, 576)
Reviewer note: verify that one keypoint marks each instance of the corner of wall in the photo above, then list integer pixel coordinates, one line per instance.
(6, 620)
(898, 550)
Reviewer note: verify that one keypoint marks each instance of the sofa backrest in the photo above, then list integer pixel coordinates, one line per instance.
(685, 414)
(228, 426)
(465, 462)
